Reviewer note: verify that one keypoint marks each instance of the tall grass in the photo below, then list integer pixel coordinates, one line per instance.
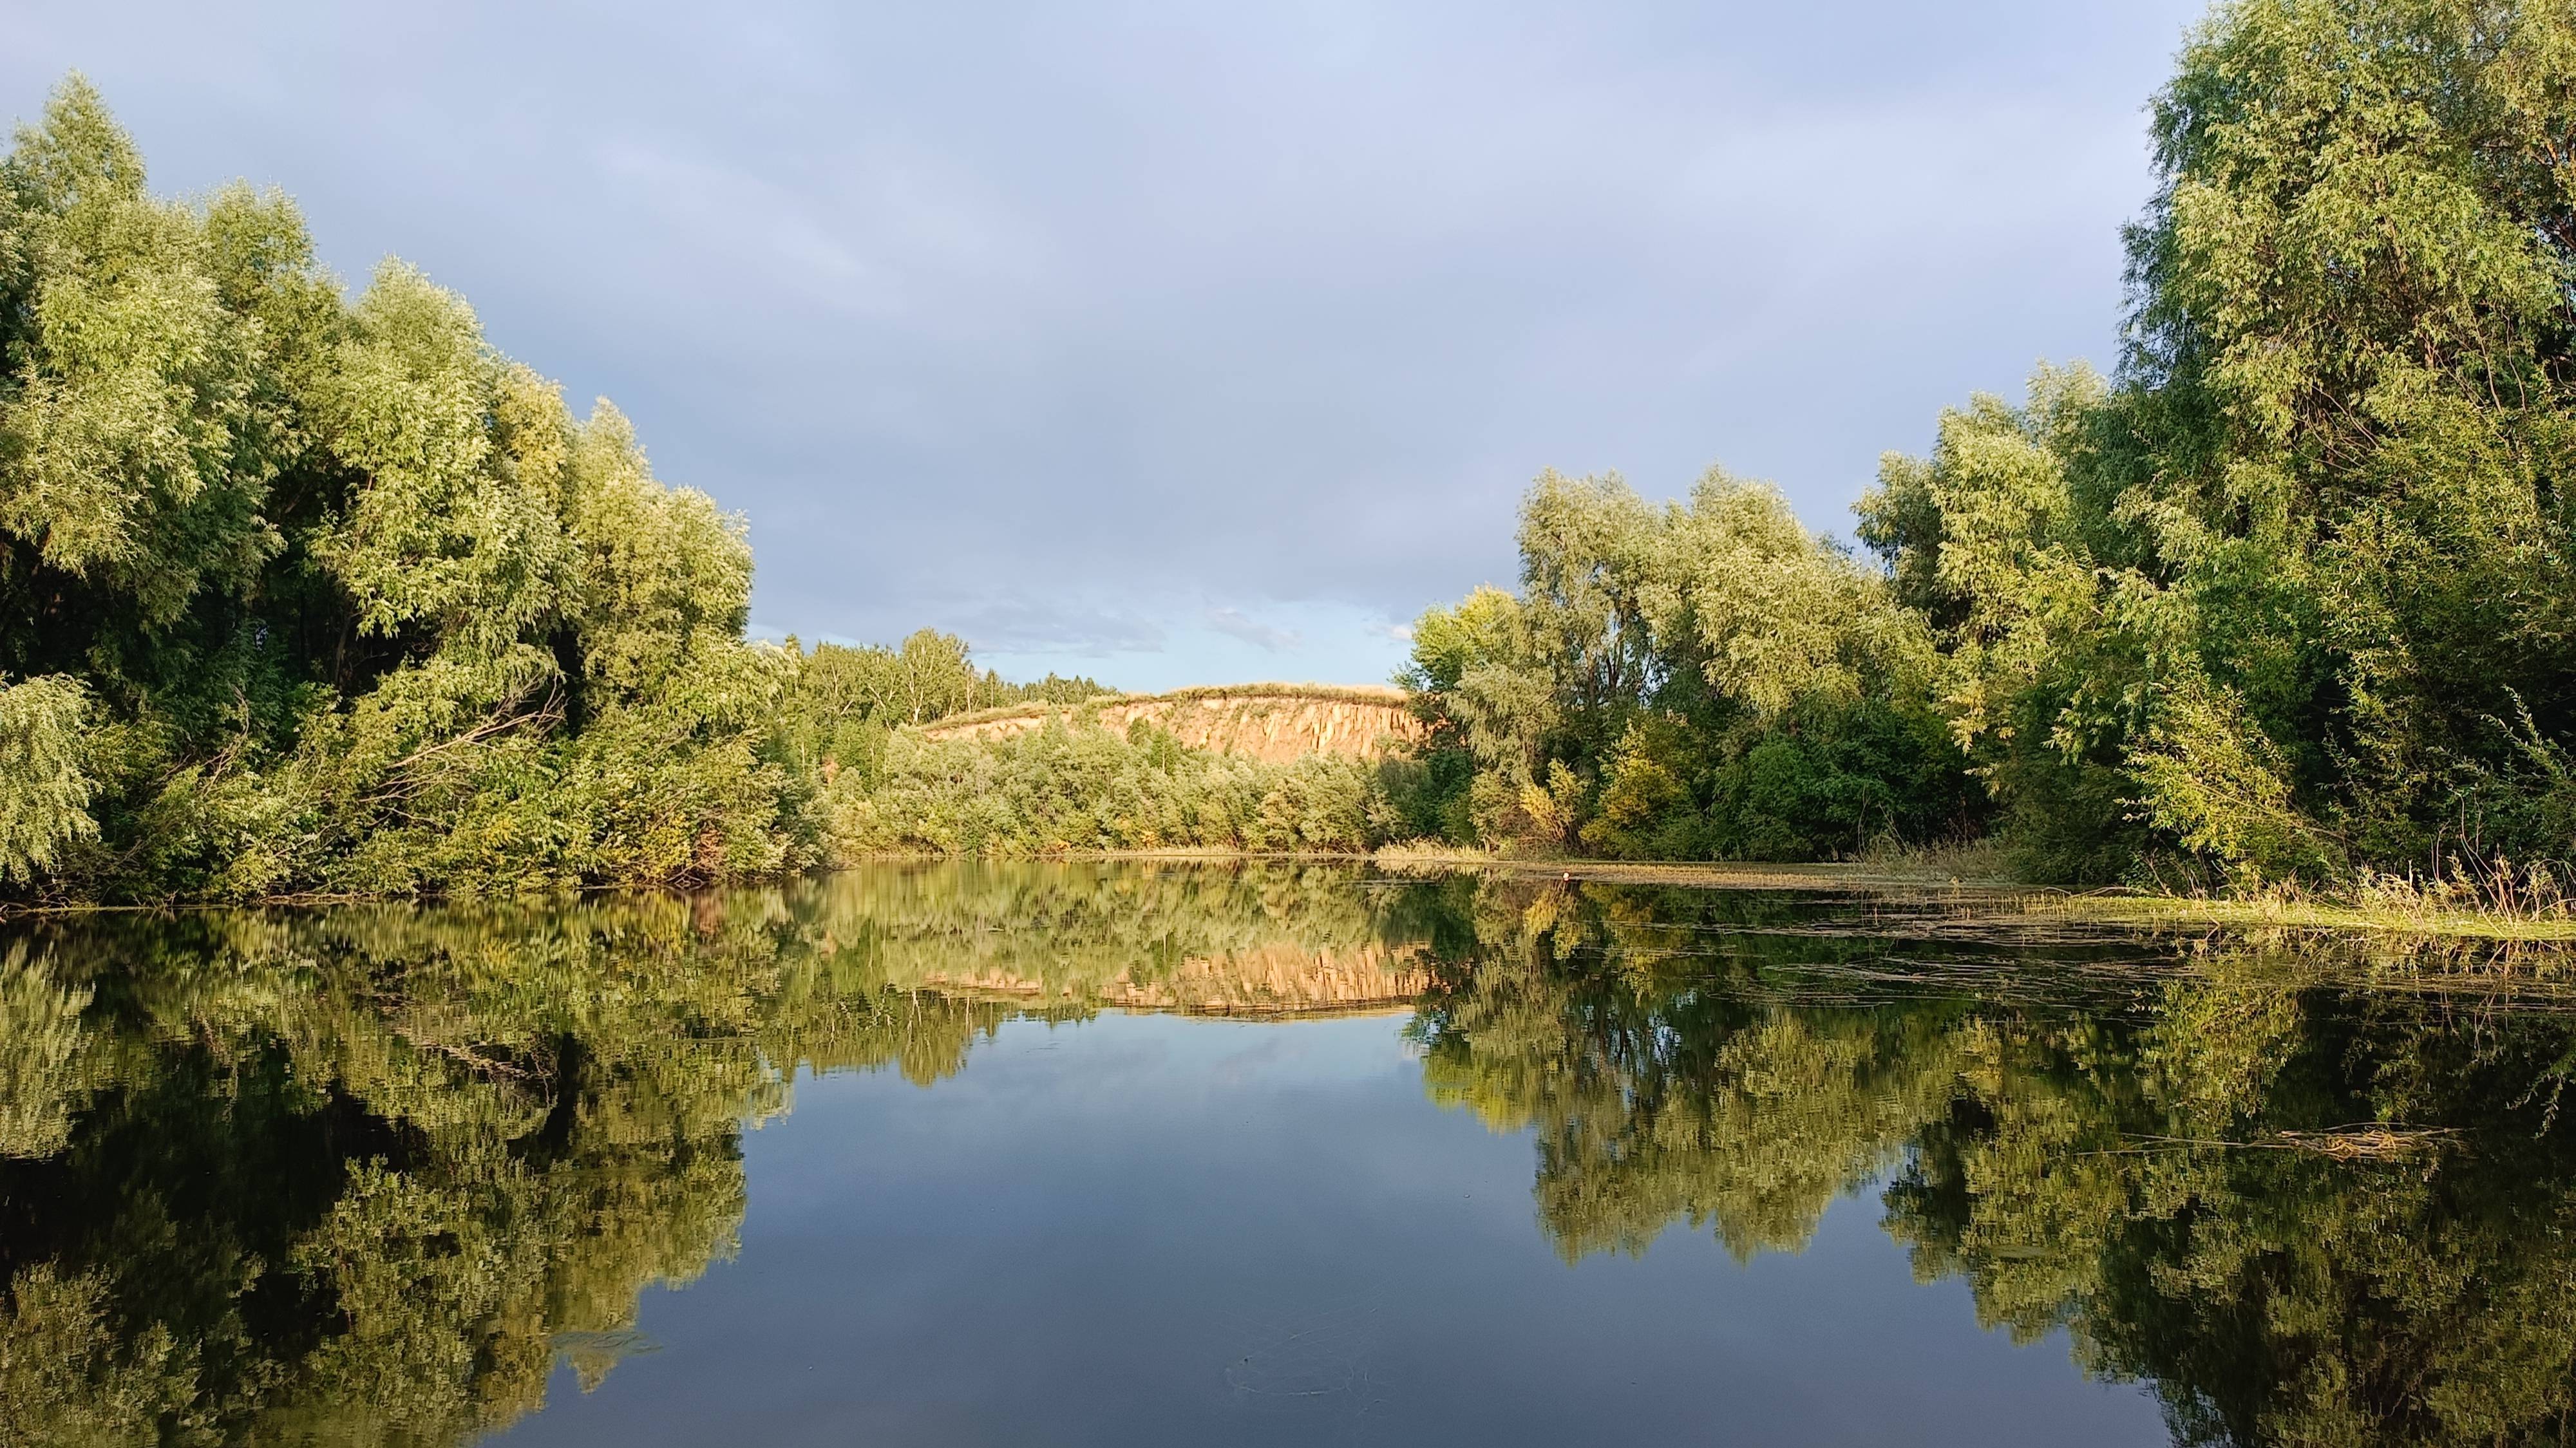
(2490, 899)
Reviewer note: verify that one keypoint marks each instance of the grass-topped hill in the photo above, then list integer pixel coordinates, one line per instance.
(1273, 722)
(1267, 768)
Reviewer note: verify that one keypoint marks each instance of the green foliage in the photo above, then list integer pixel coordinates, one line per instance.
(848, 701)
(2003, 544)
(306, 594)
(2372, 533)
(1080, 786)
(2291, 597)
(45, 786)
(137, 448)
(1701, 679)
(2300, 583)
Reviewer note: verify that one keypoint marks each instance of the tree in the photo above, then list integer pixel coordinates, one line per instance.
(306, 593)
(1702, 679)
(44, 786)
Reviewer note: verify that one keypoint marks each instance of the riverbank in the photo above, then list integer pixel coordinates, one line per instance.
(1969, 881)
(1973, 879)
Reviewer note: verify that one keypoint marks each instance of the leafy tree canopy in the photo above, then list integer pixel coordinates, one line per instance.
(302, 592)
(2288, 596)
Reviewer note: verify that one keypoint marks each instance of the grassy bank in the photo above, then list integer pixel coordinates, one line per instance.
(2291, 911)
(1967, 870)
(2528, 909)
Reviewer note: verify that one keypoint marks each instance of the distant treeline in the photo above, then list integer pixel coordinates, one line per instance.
(2289, 595)
(849, 700)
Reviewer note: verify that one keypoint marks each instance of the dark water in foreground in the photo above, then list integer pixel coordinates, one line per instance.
(1164, 1155)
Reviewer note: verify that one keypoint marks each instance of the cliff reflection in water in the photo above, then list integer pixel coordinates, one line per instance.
(367, 1174)
(363, 1173)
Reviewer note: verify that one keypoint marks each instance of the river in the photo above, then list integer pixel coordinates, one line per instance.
(1148, 1154)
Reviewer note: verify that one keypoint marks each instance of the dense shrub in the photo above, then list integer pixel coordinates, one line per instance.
(1078, 786)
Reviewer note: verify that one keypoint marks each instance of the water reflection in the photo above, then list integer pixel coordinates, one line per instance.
(2305, 1214)
(369, 1174)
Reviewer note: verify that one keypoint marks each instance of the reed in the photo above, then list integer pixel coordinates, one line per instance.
(2471, 899)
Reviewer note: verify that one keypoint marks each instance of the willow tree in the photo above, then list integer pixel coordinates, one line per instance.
(304, 591)
(2354, 338)
(1702, 677)
(2296, 593)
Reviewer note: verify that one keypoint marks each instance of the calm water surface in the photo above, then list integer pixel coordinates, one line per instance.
(1193, 1155)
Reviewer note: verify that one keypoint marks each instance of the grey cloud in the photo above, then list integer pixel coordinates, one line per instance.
(1233, 624)
(1061, 326)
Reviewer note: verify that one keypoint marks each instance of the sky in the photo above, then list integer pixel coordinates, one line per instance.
(1189, 343)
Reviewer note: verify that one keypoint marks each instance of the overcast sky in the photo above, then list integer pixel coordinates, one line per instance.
(1185, 343)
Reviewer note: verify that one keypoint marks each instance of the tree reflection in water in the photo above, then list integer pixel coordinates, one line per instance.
(2304, 1212)
(362, 1174)
(369, 1173)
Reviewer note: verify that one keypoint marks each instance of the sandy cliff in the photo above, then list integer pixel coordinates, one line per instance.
(1279, 979)
(1274, 722)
